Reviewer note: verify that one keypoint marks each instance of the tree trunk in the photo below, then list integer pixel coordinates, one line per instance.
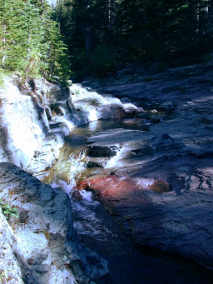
(202, 9)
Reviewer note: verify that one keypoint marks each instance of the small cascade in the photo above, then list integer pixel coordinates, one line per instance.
(116, 161)
(61, 125)
(87, 107)
(93, 106)
(66, 170)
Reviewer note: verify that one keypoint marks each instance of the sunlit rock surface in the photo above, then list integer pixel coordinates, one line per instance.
(42, 236)
(10, 269)
(173, 223)
(42, 227)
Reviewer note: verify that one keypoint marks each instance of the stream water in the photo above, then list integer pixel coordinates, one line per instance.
(95, 227)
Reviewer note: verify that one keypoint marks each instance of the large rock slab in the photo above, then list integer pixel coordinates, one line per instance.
(41, 229)
(44, 242)
(155, 216)
(176, 148)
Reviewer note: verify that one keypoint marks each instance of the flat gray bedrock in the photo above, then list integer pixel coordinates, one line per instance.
(177, 148)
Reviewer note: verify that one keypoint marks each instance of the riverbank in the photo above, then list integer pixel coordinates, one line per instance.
(135, 186)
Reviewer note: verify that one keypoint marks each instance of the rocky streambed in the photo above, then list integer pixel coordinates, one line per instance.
(158, 186)
(127, 197)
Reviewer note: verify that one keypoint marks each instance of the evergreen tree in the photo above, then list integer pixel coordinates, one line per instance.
(30, 41)
(102, 33)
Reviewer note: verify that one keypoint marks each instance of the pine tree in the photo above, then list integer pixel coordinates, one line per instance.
(30, 42)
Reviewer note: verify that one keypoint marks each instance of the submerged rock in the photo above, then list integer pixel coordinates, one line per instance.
(91, 165)
(101, 151)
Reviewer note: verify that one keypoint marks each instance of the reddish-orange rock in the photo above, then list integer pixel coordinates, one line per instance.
(122, 191)
(116, 183)
(160, 186)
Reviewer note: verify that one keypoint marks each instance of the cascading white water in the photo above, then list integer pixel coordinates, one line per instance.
(90, 107)
(24, 135)
(116, 161)
(93, 106)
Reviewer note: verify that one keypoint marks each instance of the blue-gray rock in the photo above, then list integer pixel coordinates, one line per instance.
(43, 235)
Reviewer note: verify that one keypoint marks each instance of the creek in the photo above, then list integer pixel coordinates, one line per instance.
(95, 227)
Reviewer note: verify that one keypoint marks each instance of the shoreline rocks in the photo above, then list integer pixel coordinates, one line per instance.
(43, 239)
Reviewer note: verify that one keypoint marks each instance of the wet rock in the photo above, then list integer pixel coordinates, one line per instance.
(122, 189)
(112, 111)
(200, 152)
(207, 119)
(115, 136)
(143, 115)
(91, 164)
(137, 123)
(75, 140)
(131, 110)
(167, 107)
(179, 148)
(166, 143)
(178, 225)
(57, 93)
(76, 195)
(58, 109)
(154, 118)
(101, 151)
(142, 153)
(159, 186)
(96, 267)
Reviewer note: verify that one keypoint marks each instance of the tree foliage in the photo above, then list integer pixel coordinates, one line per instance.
(131, 30)
(30, 41)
